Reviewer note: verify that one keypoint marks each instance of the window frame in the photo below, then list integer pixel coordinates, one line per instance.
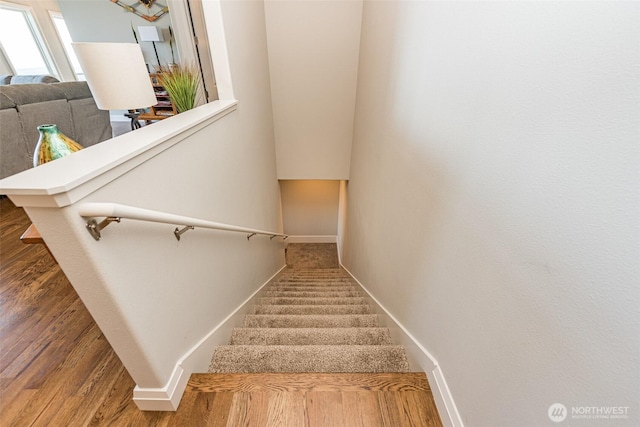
(53, 15)
(36, 33)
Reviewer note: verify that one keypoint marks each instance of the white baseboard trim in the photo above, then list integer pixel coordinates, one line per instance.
(312, 239)
(419, 359)
(196, 360)
(166, 398)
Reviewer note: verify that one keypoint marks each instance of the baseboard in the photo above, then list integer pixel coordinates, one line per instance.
(312, 239)
(196, 360)
(419, 359)
(166, 398)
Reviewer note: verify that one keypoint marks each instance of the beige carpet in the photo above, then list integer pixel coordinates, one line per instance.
(312, 255)
(311, 320)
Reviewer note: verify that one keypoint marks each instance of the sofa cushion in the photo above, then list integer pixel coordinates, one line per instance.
(5, 102)
(29, 94)
(40, 104)
(90, 124)
(14, 154)
(74, 90)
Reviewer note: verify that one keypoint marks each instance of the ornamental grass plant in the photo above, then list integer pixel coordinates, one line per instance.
(182, 83)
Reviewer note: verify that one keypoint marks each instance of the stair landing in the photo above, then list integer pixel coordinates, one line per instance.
(311, 399)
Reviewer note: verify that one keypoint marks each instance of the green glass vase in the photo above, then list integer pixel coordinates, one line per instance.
(52, 145)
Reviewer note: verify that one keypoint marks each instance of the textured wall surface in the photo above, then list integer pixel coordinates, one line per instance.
(313, 65)
(493, 202)
(310, 207)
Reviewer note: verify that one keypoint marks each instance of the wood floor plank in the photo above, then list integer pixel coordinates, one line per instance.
(389, 410)
(37, 406)
(419, 408)
(220, 409)
(45, 363)
(11, 409)
(324, 408)
(361, 409)
(287, 409)
(117, 403)
(239, 411)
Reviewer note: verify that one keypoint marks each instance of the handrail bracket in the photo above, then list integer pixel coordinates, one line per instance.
(179, 232)
(94, 227)
(249, 236)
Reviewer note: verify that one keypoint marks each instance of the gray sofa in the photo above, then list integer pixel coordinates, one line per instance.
(23, 107)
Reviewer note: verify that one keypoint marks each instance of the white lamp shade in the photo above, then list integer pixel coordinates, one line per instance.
(116, 74)
(150, 33)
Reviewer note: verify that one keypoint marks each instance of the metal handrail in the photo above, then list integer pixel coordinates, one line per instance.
(114, 212)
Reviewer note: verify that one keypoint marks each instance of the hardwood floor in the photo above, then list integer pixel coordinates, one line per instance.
(57, 369)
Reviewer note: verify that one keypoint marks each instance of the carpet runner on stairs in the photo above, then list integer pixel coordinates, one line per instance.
(314, 320)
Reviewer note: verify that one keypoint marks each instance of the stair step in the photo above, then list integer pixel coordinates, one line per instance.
(309, 382)
(311, 336)
(312, 279)
(312, 309)
(312, 288)
(314, 294)
(309, 358)
(324, 283)
(317, 273)
(312, 301)
(311, 321)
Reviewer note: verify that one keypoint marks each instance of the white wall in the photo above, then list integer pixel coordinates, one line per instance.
(313, 58)
(496, 149)
(310, 208)
(104, 21)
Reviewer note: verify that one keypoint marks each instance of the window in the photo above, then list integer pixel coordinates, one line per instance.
(22, 43)
(65, 38)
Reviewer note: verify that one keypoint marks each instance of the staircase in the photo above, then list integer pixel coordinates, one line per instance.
(310, 320)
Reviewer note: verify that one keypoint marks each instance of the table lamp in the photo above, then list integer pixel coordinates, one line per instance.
(151, 33)
(117, 76)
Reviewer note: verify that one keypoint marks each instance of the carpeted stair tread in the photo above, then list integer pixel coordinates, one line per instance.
(312, 294)
(317, 281)
(312, 270)
(311, 321)
(312, 301)
(311, 336)
(312, 309)
(309, 358)
(313, 278)
(336, 277)
(305, 275)
(297, 288)
(316, 286)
